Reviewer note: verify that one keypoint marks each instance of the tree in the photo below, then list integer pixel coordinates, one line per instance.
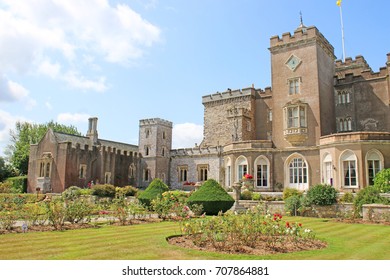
(5, 170)
(26, 134)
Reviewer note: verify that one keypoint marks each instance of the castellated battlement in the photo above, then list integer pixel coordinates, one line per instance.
(229, 94)
(197, 151)
(155, 121)
(358, 70)
(301, 35)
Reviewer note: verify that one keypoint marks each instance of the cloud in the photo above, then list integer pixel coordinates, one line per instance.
(78, 81)
(11, 91)
(36, 32)
(7, 122)
(185, 135)
(72, 118)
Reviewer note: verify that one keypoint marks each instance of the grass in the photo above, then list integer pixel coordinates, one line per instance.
(147, 241)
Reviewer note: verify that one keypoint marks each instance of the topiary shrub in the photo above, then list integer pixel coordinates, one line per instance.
(321, 195)
(382, 181)
(155, 189)
(212, 197)
(103, 190)
(347, 198)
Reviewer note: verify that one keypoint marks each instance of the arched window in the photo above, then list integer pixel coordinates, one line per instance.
(297, 173)
(348, 162)
(262, 172)
(374, 163)
(327, 170)
(47, 170)
(242, 167)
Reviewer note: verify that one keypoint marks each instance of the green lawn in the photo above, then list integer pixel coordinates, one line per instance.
(147, 241)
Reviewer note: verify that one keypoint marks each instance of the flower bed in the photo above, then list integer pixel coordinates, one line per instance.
(250, 233)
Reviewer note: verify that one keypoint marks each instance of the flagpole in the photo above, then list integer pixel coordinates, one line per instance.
(342, 31)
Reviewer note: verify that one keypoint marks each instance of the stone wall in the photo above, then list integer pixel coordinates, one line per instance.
(376, 212)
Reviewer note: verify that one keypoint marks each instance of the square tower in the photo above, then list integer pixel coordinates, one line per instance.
(302, 85)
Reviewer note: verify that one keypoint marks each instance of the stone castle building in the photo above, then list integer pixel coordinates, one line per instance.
(321, 121)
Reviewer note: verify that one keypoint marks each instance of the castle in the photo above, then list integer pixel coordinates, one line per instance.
(321, 121)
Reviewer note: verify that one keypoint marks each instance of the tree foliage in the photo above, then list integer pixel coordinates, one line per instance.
(24, 135)
(6, 170)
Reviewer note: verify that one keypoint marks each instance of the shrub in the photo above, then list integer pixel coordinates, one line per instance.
(347, 197)
(368, 195)
(256, 196)
(287, 192)
(78, 210)
(5, 187)
(103, 190)
(18, 184)
(155, 189)
(126, 191)
(293, 204)
(71, 193)
(246, 195)
(382, 181)
(212, 197)
(321, 195)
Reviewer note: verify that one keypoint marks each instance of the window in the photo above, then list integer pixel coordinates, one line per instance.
(327, 170)
(298, 176)
(146, 175)
(344, 97)
(228, 173)
(294, 86)
(47, 174)
(348, 163)
(147, 133)
(374, 161)
(202, 172)
(183, 170)
(42, 169)
(132, 171)
(164, 136)
(296, 116)
(163, 151)
(345, 124)
(83, 171)
(147, 150)
(262, 172)
(242, 167)
(107, 178)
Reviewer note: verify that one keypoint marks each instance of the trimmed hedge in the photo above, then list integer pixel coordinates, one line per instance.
(155, 189)
(212, 197)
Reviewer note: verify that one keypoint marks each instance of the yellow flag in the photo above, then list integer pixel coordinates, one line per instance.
(338, 3)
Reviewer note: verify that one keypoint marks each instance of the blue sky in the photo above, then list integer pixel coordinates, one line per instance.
(123, 61)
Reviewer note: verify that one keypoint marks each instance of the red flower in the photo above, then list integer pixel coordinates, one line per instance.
(300, 225)
(288, 225)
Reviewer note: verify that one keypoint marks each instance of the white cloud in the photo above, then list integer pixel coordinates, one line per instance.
(72, 118)
(185, 135)
(78, 81)
(33, 32)
(11, 91)
(7, 122)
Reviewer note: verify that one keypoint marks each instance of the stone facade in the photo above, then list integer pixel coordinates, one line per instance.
(321, 121)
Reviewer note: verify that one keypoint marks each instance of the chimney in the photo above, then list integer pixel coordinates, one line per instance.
(92, 130)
